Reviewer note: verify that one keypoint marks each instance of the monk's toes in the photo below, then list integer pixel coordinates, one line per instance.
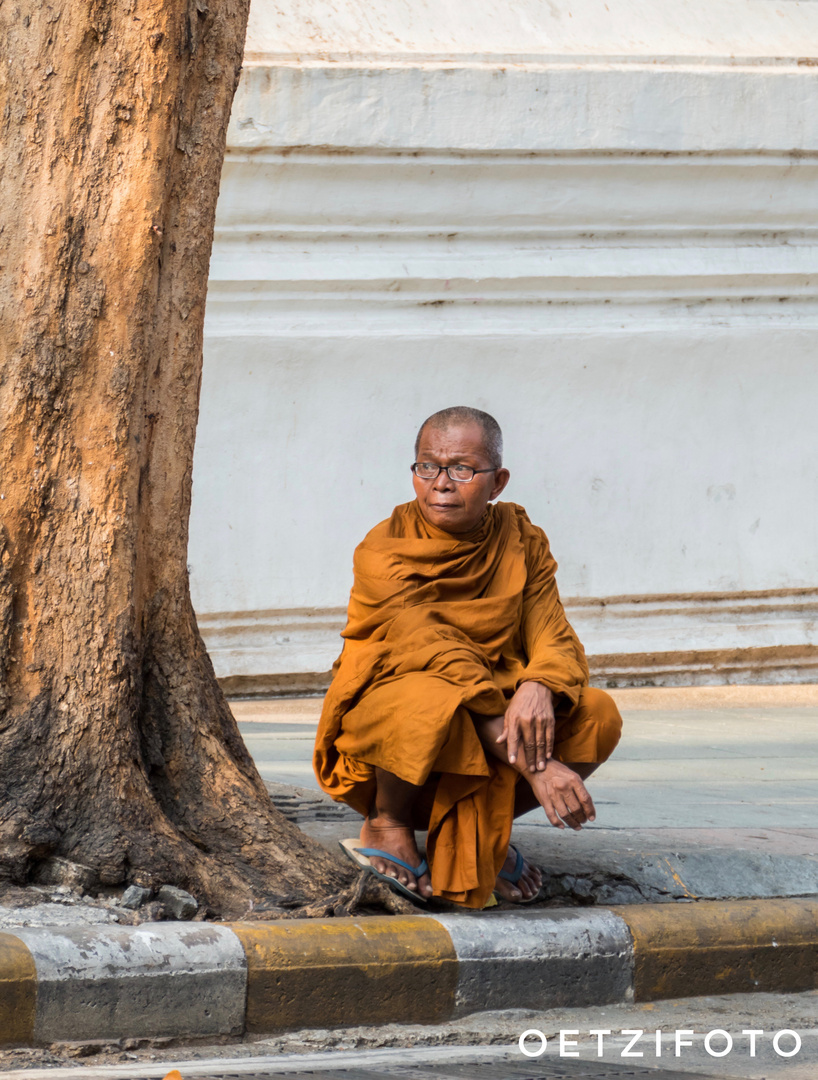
(532, 872)
(527, 889)
(534, 883)
(507, 889)
(403, 876)
(389, 870)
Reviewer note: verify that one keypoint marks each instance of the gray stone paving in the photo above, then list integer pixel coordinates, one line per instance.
(701, 802)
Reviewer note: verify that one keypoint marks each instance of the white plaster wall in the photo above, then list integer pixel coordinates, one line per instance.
(651, 30)
(615, 256)
(623, 447)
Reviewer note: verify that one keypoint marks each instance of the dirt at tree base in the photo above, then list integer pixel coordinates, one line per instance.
(61, 905)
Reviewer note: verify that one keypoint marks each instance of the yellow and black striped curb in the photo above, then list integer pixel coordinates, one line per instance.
(177, 979)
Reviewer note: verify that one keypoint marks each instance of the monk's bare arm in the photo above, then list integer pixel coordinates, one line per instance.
(558, 788)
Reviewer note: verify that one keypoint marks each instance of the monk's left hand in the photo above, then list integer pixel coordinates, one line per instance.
(529, 726)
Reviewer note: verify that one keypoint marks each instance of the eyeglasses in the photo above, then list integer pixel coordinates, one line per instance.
(463, 474)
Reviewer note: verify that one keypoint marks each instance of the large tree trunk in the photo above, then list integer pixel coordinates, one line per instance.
(117, 748)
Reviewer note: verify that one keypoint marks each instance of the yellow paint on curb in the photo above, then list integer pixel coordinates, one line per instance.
(18, 992)
(723, 947)
(340, 972)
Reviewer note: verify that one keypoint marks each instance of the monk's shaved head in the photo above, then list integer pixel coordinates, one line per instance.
(459, 416)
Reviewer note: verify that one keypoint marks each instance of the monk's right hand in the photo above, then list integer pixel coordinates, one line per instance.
(563, 796)
(528, 727)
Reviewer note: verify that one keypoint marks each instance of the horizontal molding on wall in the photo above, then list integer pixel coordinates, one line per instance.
(569, 105)
(781, 664)
(311, 244)
(701, 621)
(255, 643)
(543, 195)
(532, 61)
(728, 33)
(697, 639)
(235, 314)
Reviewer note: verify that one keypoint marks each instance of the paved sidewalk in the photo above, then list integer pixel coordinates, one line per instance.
(712, 794)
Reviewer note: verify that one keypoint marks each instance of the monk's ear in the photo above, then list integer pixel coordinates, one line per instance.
(501, 478)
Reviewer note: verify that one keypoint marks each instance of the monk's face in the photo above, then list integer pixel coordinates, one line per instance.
(449, 505)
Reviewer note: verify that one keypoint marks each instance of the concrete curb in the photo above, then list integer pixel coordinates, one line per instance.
(161, 979)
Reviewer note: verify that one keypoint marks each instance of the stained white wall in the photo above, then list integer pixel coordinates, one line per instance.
(603, 232)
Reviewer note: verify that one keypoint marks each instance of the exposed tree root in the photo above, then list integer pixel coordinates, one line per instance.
(366, 896)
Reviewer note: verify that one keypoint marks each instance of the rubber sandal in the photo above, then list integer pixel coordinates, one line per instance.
(361, 856)
(513, 876)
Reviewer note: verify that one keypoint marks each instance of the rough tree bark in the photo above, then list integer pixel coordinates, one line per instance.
(117, 748)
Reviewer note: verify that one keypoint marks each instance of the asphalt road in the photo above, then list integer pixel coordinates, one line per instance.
(483, 1046)
(449, 1063)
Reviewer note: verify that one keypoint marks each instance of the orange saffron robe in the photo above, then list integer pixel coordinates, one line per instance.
(441, 627)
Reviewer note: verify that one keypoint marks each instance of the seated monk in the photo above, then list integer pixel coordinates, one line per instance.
(461, 698)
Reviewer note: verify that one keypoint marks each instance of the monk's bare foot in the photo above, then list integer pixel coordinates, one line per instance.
(526, 888)
(397, 839)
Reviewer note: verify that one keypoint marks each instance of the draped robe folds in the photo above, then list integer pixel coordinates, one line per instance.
(441, 627)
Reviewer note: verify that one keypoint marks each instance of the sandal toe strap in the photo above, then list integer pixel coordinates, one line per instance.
(514, 875)
(419, 870)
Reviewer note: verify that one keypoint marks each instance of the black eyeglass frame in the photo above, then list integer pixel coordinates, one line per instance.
(447, 469)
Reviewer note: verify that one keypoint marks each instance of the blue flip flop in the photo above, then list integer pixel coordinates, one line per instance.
(361, 856)
(513, 876)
